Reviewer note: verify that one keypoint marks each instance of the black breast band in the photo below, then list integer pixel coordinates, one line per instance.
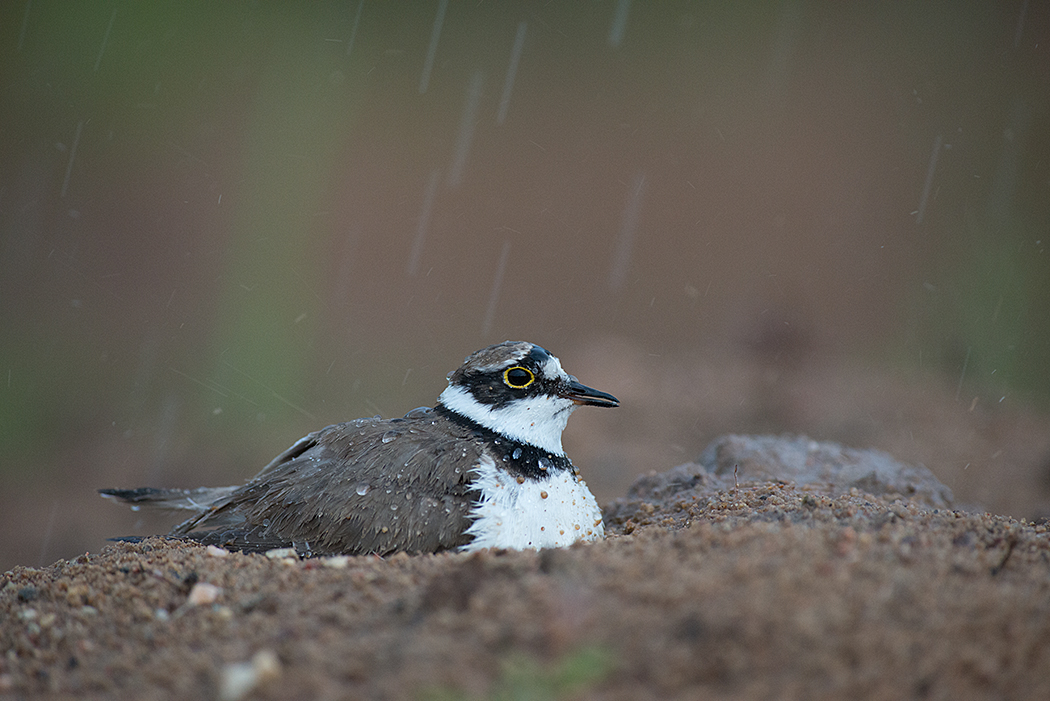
(514, 456)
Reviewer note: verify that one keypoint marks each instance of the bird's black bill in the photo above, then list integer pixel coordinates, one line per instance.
(584, 395)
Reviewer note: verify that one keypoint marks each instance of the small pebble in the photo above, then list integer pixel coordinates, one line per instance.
(203, 593)
(281, 553)
(240, 678)
(337, 562)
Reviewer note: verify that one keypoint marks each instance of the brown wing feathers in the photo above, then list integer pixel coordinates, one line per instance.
(359, 487)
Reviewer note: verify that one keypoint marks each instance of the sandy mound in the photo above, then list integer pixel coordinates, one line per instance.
(710, 584)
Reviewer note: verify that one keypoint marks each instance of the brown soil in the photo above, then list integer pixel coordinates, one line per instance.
(779, 568)
(703, 589)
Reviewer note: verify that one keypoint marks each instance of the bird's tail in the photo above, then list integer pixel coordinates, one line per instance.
(197, 500)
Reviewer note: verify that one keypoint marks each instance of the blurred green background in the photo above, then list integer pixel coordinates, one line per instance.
(223, 225)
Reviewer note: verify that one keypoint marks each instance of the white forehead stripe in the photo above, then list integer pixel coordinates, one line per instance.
(552, 369)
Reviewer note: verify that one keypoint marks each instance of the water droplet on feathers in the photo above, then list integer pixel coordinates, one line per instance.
(418, 413)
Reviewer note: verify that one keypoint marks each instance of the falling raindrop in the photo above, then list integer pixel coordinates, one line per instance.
(424, 223)
(466, 129)
(512, 70)
(353, 30)
(1019, 31)
(619, 24)
(105, 39)
(497, 283)
(72, 155)
(962, 375)
(435, 34)
(930, 170)
(25, 23)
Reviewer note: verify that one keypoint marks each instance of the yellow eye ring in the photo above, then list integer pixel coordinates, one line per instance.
(518, 377)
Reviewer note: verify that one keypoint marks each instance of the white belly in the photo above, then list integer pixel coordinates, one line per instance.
(549, 513)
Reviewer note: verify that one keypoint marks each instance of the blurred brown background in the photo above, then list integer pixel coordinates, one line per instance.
(223, 225)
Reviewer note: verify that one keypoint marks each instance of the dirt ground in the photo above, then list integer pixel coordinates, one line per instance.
(777, 568)
(710, 585)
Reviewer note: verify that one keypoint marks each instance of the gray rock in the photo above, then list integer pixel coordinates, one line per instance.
(804, 461)
(823, 467)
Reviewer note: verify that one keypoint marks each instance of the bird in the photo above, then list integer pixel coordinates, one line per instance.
(483, 468)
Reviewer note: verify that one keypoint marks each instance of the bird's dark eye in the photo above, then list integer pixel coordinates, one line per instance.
(518, 377)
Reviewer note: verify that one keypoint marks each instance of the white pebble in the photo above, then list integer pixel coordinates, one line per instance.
(203, 593)
(239, 678)
(281, 553)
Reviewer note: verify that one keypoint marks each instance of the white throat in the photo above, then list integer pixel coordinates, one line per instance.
(537, 421)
